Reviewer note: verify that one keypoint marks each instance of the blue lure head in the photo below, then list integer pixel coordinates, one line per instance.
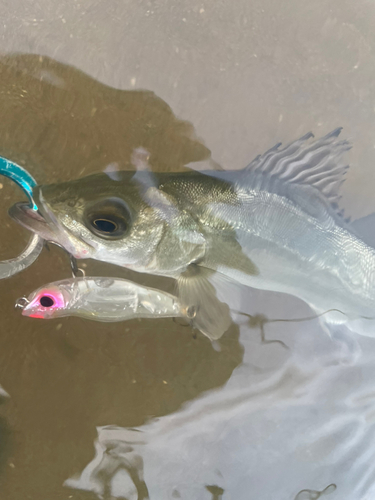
(20, 176)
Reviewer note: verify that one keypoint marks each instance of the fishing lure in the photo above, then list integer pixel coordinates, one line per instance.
(26, 182)
(20, 176)
(101, 299)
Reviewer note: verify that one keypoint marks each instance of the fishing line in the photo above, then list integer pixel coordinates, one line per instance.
(292, 320)
(260, 320)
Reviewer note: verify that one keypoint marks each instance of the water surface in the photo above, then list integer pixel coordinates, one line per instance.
(171, 415)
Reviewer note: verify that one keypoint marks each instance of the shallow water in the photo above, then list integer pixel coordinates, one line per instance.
(240, 420)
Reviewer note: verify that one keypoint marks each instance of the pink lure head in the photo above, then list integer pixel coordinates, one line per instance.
(44, 303)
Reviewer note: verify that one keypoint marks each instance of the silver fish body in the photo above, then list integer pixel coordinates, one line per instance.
(300, 245)
(274, 225)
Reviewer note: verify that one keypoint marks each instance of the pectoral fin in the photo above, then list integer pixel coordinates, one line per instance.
(196, 293)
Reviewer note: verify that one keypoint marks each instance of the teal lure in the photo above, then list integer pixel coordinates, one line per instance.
(26, 182)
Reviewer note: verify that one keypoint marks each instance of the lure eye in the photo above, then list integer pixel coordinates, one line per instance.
(46, 301)
(108, 219)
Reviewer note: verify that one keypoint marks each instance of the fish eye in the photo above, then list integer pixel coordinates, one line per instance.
(105, 225)
(46, 301)
(108, 219)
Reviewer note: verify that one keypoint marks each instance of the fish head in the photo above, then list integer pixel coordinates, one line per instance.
(118, 219)
(46, 302)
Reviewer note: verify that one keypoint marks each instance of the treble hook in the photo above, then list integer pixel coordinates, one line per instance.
(76, 271)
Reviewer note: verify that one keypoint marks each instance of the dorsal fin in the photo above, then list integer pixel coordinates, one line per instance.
(317, 164)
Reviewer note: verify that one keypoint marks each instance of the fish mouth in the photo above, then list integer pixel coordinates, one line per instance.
(44, 223)
(33, 220)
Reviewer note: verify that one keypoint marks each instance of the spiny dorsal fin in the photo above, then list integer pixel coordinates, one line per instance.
(317, 164)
